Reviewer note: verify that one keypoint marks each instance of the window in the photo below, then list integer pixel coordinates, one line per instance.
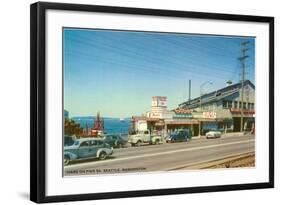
(244, 105)
(251, 106)
(93, 143)
(146, 132)
(235, 104)
(229, 104)
(224, 104)
(109, 137)
(99, 142)
(84, 144)
(218, 94)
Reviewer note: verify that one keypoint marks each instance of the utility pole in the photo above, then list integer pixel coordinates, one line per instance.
(242, 59)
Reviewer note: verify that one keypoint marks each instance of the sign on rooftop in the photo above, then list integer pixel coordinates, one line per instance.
(159, 101)
(210, 115)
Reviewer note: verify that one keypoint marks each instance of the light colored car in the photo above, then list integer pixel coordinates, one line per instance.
(87, 148)
(213, 134)
(144, 137)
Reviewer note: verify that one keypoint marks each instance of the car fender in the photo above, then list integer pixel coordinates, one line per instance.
(102, 150)
(136, 138)
(154, 138)
(70, 155)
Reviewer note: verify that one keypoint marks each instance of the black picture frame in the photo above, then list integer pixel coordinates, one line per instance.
(38, 101)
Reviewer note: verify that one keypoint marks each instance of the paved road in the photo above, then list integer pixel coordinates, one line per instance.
(165, 157)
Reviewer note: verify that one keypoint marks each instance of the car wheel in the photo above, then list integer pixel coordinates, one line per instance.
(66, 160)
(139, 143)
(157, 142)
(102, 156)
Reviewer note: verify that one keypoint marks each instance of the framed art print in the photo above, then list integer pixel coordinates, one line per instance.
(129, 102)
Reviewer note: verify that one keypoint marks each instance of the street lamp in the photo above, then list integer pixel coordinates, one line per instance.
(201, 88)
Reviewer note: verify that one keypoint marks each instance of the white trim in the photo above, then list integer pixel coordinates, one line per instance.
(57, 185)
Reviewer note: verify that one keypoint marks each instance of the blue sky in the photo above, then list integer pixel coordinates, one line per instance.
(117, 72)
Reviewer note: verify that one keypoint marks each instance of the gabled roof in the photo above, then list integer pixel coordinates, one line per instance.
(218, 94)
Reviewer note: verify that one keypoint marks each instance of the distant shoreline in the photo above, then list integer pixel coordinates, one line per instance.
(111, 125)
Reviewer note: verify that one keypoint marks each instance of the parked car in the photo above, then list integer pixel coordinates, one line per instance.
(115, 140)
(213, 134)
(84, 148)
(144, 137)
(179, 136)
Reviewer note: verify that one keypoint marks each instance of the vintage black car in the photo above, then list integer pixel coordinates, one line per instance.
(179, 136)
(115, 140)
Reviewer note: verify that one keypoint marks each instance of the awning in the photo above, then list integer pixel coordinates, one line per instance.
(182, 122)
(152, 119)
(211, 120)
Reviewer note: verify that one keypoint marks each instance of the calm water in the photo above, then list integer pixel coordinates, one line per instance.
(111, 125)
